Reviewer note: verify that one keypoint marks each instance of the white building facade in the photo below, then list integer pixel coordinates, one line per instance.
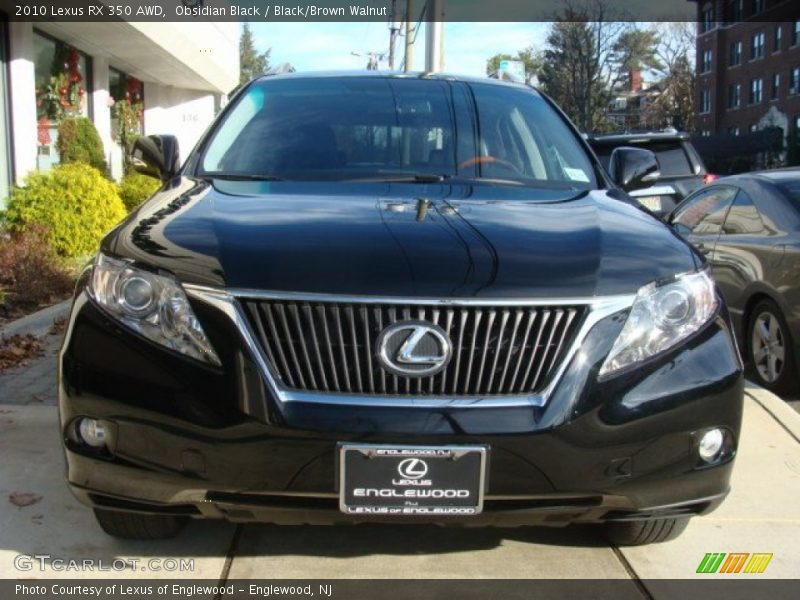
(175, 76)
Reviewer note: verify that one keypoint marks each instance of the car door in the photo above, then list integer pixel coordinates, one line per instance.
(699, 219)
(743, 252)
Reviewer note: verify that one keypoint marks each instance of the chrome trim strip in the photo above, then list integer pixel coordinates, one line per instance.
(225, 301)
(656, 190)
(400, 300)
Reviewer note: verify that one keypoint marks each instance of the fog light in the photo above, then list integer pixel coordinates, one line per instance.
(92, 432)
(711, 444)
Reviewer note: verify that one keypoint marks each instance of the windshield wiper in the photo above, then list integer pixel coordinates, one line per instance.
(242, 176)
(403, 178)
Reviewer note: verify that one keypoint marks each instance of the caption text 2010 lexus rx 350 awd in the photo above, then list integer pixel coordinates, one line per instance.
(397, 298)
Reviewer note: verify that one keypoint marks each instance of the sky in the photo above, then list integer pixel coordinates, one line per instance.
(326, 46)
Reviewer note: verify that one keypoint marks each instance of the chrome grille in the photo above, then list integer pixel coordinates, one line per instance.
(329, 346)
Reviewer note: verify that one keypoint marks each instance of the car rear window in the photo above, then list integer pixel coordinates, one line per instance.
(671, 157)
(792, 190)
(361, 127)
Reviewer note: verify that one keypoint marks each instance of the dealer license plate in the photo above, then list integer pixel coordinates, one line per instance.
(411, 480)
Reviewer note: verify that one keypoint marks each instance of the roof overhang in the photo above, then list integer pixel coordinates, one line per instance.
(198, 56)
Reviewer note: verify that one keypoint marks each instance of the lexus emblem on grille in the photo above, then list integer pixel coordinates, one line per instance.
(414, 349)
(412, 468)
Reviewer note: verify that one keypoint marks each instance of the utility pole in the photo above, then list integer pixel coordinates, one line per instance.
(394, 30)
(434, 36)
(408, 62)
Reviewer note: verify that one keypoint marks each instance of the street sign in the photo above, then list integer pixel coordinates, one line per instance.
(512, 70)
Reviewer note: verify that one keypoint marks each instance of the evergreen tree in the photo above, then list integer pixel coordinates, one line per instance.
(251, 62)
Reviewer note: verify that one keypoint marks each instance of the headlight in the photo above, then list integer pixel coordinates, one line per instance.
(153, 305)
(661, 317)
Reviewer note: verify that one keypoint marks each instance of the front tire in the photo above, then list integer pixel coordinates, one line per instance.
(639, 533)
(135, 526)
(770, 350)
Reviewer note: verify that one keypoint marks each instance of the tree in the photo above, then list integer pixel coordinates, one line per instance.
(674, 107)
(636, 50)
(251, 62)
(528, 56)
(577, 64)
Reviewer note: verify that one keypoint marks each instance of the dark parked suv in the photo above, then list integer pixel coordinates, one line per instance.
(405, 298)
(681, 169)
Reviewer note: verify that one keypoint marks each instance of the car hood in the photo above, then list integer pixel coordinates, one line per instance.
(423, 240)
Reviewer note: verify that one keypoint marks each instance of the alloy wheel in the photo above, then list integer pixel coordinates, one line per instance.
(769, 348)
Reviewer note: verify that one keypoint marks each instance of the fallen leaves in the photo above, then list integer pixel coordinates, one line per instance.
(23, 499)
(18, 350)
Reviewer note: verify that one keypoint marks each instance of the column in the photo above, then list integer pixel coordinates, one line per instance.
(22, 92)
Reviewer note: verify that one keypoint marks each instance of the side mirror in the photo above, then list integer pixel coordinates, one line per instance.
(633, 168)
(156, 156)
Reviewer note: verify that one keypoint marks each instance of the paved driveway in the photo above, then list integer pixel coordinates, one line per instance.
(761, 515)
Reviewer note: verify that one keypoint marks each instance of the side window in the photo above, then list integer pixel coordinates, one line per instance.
(743, 217)
(705, 213)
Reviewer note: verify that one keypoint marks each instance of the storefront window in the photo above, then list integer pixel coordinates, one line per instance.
(62, 75)
(126, 102)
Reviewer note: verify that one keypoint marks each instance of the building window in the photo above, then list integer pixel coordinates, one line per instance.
(62, 76)
(733, 130)
(758, 6)
(735, 11)
(796, 33)
(707, 18)
(778, 39)
(735, 54)
(734, 95)
(757, 46)
(794, 81)
(705, 101)
(753, 127)
(776, 85)
(756, 88)
(705, 133)
(705, 64)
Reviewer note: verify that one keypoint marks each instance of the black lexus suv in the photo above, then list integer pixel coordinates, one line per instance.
(397, 298)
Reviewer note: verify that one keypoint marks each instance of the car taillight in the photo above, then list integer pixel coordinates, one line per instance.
(709, 178)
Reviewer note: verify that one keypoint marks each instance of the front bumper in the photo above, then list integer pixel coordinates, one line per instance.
(204, 442)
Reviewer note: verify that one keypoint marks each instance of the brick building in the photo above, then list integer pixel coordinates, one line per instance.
(748, 66)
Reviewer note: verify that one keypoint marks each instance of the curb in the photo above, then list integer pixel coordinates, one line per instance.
(784, 414)
(38, 323)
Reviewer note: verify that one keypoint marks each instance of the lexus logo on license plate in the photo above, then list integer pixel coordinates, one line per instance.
(412, 468)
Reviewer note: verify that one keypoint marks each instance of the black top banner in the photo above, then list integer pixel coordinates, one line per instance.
(354, 10)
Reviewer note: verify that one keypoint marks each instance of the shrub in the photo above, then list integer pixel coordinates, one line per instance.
(30, 271)
(75, 202)
(78, 141)
(135, 188)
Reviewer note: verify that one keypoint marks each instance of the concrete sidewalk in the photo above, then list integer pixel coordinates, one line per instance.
(761, 515)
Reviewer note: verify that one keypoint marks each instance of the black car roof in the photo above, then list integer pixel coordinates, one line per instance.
(396, 75)
(772, 176)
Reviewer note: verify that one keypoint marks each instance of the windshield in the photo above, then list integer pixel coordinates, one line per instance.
(359, 128)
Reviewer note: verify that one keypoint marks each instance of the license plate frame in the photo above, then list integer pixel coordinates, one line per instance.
(445, 472)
